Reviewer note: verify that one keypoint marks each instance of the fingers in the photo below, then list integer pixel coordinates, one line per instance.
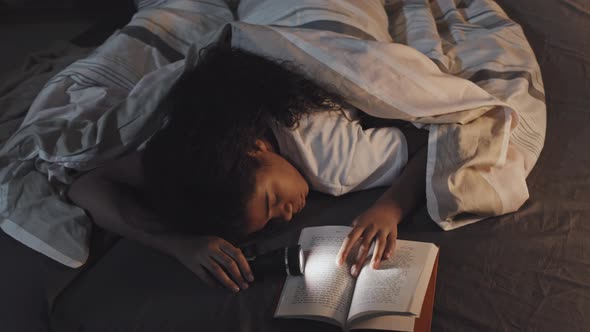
(213, 267)
(206, 277)
(348, 243)
(240, 259)
(360, 260)
(363, 251)
(228, 264)
(388, 252)
(379, 250)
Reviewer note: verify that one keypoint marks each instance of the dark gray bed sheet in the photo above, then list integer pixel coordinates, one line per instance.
(527, 271)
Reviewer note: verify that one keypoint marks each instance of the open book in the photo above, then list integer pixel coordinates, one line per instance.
(389, 298)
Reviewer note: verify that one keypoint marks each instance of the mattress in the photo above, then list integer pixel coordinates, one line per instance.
(528, 270)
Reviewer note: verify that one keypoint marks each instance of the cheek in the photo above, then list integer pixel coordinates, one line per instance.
(293, 174)
(297, 180)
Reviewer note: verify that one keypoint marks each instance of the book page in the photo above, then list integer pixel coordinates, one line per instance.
(388, 322)
(325, 289)
(391, 288)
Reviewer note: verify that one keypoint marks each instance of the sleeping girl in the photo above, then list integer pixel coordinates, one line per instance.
(245, 140)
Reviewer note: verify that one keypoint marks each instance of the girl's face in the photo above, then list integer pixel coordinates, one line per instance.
(280, 190)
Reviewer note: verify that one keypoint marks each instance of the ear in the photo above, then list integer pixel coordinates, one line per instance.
(260, 146)
(263, 145)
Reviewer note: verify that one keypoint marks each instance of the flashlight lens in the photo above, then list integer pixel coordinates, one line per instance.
(294, 260)
(301, 261)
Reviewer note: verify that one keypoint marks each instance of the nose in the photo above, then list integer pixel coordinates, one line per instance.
(287, 211)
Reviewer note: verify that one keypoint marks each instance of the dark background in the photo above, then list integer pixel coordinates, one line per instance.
(31, 25)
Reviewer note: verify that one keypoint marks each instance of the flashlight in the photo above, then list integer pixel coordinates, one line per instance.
(283, 261)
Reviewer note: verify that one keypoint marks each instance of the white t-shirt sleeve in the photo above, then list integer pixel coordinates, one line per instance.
(337, 156)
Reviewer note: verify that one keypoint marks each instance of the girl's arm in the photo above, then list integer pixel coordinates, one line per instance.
(111, 196)
(379, 222)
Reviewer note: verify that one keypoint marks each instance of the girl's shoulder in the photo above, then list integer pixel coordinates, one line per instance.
(127, 169)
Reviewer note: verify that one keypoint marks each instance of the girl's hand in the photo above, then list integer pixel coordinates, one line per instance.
(214, 261)
(378, 224)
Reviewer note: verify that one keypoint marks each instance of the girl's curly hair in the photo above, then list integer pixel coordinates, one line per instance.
(198, 167)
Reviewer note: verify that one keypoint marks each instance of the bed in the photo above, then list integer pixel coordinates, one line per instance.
(528, 270)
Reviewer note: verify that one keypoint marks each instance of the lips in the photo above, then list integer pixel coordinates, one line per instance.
(302, 204)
